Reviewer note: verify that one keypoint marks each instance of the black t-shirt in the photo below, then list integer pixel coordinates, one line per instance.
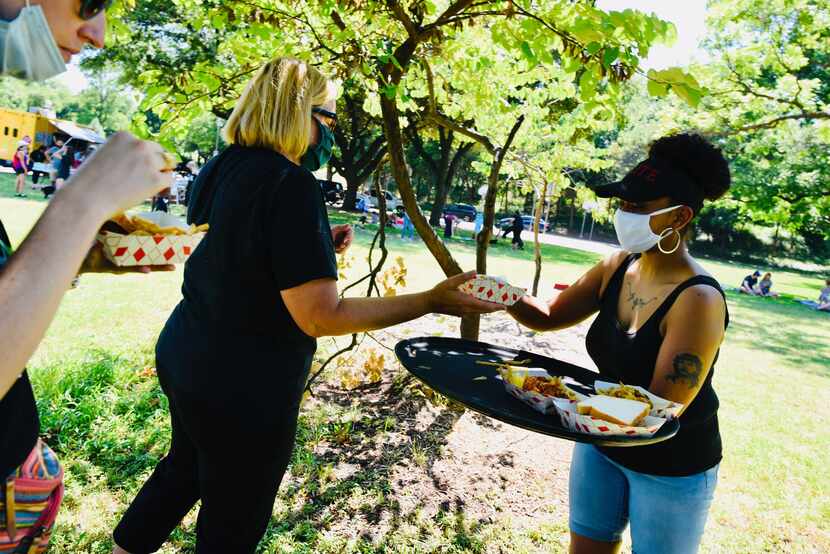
(19, 423)
(750, 281)
(631, 358)
(65, 168)
(269, 231)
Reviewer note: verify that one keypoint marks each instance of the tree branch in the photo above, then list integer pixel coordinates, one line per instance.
(769, 124)
(752, 92)
(444, 121)
(483, 238)
(460, 152)
(450, 12)
(304, 20)
(401, 15)
(330, 359)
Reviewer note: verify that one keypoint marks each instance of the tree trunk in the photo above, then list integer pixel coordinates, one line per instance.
(445, 184)
(441, 191)
(397, 160)
(537, 215)
(572, 214)
(444, 191)
(350, 196)
(483, 237)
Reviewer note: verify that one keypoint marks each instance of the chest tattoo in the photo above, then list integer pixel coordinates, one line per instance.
(636, 301)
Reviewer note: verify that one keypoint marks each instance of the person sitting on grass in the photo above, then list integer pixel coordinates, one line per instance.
(750, 284)
(661, 320)
(824, 297)
(765, 286)
(823, 302)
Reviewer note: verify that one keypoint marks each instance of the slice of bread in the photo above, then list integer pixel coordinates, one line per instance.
(615, 410)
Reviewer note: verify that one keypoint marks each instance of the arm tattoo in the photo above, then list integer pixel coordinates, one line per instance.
(687, 369)
(636, 301)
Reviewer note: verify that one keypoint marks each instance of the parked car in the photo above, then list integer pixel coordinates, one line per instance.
(332, 191)
(393, 203)
(507, 223)
(464, 211)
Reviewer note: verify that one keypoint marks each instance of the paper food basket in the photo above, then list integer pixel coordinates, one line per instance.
(535, 400)
(492, 289)
(662, 411)
(134, 250)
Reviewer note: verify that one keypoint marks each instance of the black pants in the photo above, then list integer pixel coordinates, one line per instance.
(36, 176)
(517, 238)
(234, 472)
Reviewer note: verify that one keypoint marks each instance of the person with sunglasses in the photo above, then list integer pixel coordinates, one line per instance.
(37, 39)
(234, 356)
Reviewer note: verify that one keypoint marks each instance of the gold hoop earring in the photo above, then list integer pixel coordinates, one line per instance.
(665, 234)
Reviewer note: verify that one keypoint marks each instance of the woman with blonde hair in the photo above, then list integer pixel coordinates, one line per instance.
(234, 356)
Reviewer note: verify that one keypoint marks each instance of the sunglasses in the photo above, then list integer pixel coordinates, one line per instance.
(331, 116)
(91, 8)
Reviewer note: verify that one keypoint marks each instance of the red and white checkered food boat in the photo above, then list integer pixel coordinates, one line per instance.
(662, 410)
(492, 289)
(535, 400)
(593, 426)
(661, 407)
(133, 250)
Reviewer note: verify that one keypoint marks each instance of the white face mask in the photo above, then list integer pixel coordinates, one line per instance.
(634, 231)
(27, 47)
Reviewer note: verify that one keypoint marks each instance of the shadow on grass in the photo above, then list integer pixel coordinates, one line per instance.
(107, 418)
(784, 327)
(379, 445)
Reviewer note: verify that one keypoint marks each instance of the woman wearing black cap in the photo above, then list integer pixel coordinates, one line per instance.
(660, 324)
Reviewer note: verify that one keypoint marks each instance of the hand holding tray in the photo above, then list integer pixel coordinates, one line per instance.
(450, 366)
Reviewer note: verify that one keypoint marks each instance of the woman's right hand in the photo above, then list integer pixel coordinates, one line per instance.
(122, 173)
(445, 298)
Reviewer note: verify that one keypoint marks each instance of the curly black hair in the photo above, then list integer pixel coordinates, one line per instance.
(698, 158)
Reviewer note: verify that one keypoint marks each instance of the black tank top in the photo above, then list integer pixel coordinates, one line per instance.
(631, 358)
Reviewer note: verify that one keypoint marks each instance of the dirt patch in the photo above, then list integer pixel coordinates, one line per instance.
(436, 458)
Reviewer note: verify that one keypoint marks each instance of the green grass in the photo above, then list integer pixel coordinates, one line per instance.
(107, 418)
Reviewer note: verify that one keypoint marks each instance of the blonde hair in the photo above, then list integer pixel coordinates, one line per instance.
(274, 110)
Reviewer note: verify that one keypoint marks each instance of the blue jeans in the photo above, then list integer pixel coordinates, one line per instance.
(667, 514)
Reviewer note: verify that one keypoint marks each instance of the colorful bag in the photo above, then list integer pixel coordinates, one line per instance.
(29, 503)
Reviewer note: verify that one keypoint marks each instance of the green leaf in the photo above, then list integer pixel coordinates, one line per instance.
(610, 56)
(690, 95)
(593, 48)
(587, 85)
(585, 32)
(390, 91)
(528, 53)
(657, 89)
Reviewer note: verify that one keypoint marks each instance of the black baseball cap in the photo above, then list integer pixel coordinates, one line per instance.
(652, 179)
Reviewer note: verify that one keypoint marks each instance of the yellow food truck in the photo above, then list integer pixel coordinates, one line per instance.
(38, 126)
